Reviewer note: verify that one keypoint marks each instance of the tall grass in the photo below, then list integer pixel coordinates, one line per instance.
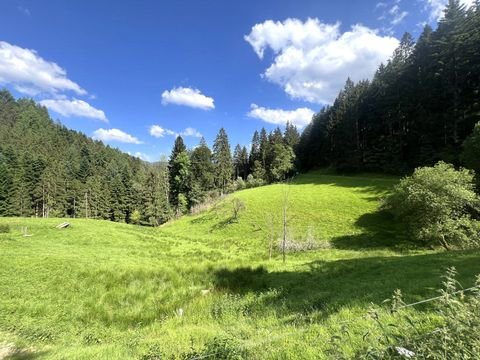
(102, 290)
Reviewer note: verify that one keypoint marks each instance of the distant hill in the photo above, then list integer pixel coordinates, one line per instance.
(418, 108)
(48, 170)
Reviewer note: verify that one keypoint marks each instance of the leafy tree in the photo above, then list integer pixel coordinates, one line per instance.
(283, 160)
(439, 206)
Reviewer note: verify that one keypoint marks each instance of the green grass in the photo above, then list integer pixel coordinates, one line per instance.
(102, 290)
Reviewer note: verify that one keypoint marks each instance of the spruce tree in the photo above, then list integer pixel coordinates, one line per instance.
(222, 160)
(202, 173)
(178, 170)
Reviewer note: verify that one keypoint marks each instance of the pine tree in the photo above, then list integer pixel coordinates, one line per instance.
(6, 187)
(178, 169)
(255, 150)
(202, 173)
(237, 161)
(244, 163)
(291, 136)
(222, 160)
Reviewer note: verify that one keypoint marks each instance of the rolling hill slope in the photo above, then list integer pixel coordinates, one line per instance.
(205, 285)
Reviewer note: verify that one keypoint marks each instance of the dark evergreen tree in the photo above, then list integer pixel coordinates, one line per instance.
(178, 171)
(222, 160)
(255, 150)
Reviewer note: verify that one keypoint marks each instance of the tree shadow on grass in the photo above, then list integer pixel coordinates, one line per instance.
(22, 354)
(328, 286)
(379, 231)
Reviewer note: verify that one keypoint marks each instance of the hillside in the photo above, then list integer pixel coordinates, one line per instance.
(418, 108)
(205, 283)
(47, 170)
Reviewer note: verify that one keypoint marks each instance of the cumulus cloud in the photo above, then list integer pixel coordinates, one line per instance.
(191, 132)
(30, 74)
(158, 132)
(187, 97)
(75, 108)
(435, 7)
(117, 135)
(312, 60)
(299, 117)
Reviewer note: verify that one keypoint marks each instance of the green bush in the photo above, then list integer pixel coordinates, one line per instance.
(4, 228)
(253, 182)
(439, 206)
(136, 217)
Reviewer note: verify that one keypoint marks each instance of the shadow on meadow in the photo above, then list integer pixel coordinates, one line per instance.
(21, 354)
(379, 231)
(327, 286)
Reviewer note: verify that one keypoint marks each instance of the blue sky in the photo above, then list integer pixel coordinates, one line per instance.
(136, 73)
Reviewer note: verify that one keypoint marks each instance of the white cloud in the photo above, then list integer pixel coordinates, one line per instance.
(187, 97)
(191, 132)
(115, 135)
(312, 60)
(436, 7)
(397, 15)
(30, 74)
(75, 108)
(299, 117)
(158, 132)
(142, 156)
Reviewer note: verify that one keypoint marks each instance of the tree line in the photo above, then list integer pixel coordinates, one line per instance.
(417, 110)
(47, 170)
(197, 175)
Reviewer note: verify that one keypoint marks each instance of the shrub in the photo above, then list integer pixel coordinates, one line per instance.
(136, 217)
(309, 243)
(439, 206)
(238, 206)
(240, 184)
(253, 182)
(4, 228)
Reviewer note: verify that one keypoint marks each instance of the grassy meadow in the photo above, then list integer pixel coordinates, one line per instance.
(206, 284)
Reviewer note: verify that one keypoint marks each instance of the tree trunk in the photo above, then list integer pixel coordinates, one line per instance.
(444, 243)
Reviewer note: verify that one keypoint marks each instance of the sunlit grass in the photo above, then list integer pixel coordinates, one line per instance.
(105, 290)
